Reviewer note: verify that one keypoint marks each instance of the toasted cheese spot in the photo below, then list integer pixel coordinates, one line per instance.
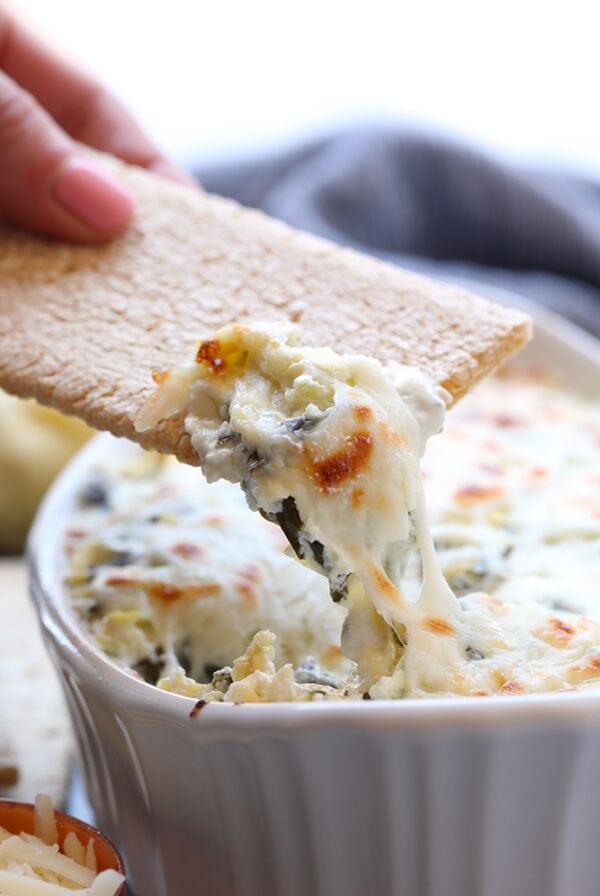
(247, 591)
(76, 534)
(358, 496)
(389, 434)
(583, 671)
(345, 463)
(168, 593)
(363, 412)
(160, 376)
(561, 627)
(117, 581)
(187, 550)
(438, 626)
(511, 687)
(251, 572)
(383, 583)
(397, 438)
(538, 473)
(210, 353)
(555, 631)
(209, 590)
(472, 494)
(505, 421)
(499, 678)
(165, 592)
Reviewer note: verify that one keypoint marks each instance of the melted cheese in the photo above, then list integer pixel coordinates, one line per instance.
(328, 445)
(514, 491)
(173, 578)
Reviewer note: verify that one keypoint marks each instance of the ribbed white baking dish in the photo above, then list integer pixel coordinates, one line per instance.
(458, 797)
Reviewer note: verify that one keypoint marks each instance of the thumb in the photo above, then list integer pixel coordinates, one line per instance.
(45, 184)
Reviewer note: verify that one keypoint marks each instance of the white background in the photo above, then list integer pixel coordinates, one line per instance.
(213, 78)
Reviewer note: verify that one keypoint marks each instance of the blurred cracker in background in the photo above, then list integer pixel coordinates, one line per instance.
(35, 443)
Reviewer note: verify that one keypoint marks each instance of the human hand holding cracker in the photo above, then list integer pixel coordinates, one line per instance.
(82, 328)
(46, 104)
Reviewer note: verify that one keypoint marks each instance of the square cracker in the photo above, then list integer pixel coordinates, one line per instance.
(82, 328)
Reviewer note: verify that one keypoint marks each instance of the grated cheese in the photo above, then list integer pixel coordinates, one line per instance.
(185, 588)
(34, 865)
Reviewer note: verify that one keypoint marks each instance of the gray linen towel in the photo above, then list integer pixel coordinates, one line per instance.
(439, 207)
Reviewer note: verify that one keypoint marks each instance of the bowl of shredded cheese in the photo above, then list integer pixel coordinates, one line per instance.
(47, 853)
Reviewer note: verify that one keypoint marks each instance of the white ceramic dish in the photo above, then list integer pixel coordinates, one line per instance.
(457, 797)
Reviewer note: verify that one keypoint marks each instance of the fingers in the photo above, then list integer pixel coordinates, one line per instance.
(82, 107)
(44, 184)
(96, 118)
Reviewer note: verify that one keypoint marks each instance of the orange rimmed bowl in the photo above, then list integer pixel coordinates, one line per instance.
(20, 817)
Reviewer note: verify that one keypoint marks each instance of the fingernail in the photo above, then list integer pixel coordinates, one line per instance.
(93, 196)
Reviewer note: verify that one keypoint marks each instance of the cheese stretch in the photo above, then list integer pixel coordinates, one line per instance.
(328, 446)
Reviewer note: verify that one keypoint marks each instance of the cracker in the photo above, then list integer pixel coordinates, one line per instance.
(82, 328)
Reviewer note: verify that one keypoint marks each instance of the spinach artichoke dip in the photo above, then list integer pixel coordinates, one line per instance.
(181, 584)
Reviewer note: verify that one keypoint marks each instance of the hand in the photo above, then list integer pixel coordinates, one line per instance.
(46, 184)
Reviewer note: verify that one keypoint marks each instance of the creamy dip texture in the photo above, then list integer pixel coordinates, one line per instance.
(181, 584)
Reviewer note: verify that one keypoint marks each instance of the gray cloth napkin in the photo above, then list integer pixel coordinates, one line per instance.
(438, 207)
